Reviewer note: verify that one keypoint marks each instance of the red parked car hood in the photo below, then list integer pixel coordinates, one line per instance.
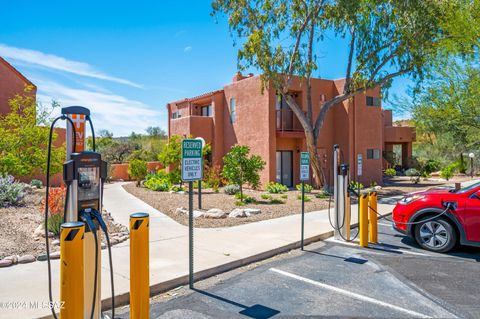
(434, 191)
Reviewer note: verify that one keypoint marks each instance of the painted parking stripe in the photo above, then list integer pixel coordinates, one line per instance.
(350, 294)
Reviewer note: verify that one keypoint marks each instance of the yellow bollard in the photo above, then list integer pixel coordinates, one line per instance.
(373, 218)
(71, 270)
(139, 266)
(363, 222)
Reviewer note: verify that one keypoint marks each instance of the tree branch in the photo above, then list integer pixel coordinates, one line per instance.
(346, 88)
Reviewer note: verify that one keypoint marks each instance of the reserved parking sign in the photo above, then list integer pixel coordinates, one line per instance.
(304, 166)
(192, 166)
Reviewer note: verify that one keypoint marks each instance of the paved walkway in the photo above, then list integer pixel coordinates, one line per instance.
(214, 247)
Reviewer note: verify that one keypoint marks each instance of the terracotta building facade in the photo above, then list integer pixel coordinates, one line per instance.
(242, 113)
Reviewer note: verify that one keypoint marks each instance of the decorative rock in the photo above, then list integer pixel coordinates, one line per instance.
(39, 231)
(55, 255)
(42, 257)
(252, 211)
(124, 238)
(237, 212)
(197, 213)
(113, 241)
(103, 245)
(5, 263)
(215, 213)
(378, 187)
(56, 242)
(181, 210)
(181, 192)
(13, 258)
(25, 259)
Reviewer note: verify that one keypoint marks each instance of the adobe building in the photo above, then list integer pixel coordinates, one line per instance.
(12, 82)
(240, 113)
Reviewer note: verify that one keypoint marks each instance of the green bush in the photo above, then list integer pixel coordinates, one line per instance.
(245, 198)
(412, 172)
(176, 188)
(11, 192)
(308, 188)
(231, 189)
(284, 196)
(306, 199)
(157, 184)
(448, 171)
(355, 185)
(276, 188)
(390, 172)
(276, 201)
(266, 196)
(322, 194)
(54, 222)
(431, 166)
(137, 169)
(36, 183)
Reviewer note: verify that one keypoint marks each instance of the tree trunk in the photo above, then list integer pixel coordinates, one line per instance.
(315, 161)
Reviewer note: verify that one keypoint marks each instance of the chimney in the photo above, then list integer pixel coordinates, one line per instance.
(237, 77)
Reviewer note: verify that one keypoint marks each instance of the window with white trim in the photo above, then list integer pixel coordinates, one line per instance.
(233, 110)
(373, 153)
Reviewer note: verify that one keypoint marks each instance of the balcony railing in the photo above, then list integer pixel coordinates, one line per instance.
(288, 121)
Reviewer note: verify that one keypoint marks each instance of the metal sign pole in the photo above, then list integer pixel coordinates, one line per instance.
(303, 212)
(200, 194)
(304, 176)
(190, 232)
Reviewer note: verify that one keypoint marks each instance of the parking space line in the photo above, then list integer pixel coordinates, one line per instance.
(350, 294)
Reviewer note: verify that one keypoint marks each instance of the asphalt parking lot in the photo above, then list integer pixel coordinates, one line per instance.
(330, 279)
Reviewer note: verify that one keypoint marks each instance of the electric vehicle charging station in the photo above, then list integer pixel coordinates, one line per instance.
(84, 174)
(341, 194)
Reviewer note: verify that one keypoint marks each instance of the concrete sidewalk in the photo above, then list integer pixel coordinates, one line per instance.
(216, 250)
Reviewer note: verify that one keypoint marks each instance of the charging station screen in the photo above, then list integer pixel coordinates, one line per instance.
(88, 183)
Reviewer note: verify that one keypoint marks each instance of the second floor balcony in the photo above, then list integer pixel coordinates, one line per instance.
(287, 124)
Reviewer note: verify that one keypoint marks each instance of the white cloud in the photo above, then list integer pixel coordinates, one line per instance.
(109, 111)
(187, 49)
(54, 62)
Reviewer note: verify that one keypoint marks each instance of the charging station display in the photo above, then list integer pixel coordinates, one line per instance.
(88, 183)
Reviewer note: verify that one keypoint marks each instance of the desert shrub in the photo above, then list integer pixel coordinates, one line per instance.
(276, 188)
(276, 201)
(11, 192)
(266, 196)
(448, 171)
(56, 208)
(373, 184)
(284, 196)
(431, 166)
(322, 194)
(355, 185)
(213, 177)
(137, 169)
(176, 188)
(231, 189)
(245, 198)
(239, 203)
(412, 172)
(306, 199)
(158, 184)
(36, 183)
(390, 172)
(308, 188)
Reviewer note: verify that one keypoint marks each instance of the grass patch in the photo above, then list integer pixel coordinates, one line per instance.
(307, 199)
(266, 196)
(276, 201)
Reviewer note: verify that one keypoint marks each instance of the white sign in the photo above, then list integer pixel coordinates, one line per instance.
(359, 164)
(192, 164)
(304, 166)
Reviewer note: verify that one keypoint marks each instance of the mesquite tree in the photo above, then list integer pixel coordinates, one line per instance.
(386, 39)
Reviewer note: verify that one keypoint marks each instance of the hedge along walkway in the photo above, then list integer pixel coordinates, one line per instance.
(216, 250)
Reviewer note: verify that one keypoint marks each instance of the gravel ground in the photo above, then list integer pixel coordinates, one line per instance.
(17, 224)
(167, 203)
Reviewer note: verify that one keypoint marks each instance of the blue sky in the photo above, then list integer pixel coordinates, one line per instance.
(126, 59)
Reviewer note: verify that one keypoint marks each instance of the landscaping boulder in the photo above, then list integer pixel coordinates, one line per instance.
(196, 213)
(13, 258)
(252, 211)
(181, 210)
(55, 255)
(5, 263)
(25, 259)
(238, 213)
(215, 213)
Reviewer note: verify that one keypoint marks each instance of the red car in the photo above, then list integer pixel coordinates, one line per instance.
(425, 217)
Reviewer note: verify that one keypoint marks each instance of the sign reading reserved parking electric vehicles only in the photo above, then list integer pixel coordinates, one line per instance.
(304, 166)
(192, 166)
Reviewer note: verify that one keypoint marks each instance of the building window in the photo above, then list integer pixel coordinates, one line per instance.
(233, 110)
(373, 101)
(373, 153)
(176, 115)
(206, 110)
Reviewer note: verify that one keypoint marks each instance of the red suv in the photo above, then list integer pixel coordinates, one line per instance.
(420, 216)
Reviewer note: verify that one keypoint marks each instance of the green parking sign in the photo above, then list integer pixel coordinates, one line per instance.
(304, 166)
(192, 164)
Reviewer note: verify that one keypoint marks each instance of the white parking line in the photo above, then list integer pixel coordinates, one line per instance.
(350, 294)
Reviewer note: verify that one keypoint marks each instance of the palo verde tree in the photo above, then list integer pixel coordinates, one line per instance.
(240, 168)
(386, 39)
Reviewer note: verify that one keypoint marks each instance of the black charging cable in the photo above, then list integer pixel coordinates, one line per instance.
(47, 189)
(93, 132)
(86, 216)
(103, 226)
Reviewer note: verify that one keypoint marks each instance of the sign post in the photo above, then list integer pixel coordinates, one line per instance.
(304, 175)
(359, 165)
(192, 170)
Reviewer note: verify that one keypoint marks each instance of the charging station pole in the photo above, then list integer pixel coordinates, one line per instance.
(192, 170)
(304, 175)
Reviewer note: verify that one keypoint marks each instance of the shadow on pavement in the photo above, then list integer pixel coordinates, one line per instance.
(256, 311)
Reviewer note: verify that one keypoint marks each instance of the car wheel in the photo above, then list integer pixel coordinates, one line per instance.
(435, 235)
